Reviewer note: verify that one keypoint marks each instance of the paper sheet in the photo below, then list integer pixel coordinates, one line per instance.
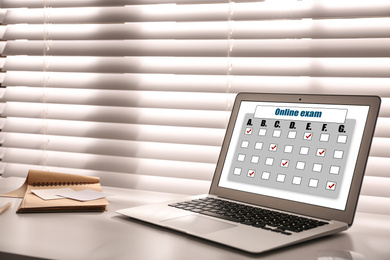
(50, 194)
(83, 195)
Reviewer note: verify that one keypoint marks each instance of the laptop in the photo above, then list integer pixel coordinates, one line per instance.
(290, 170)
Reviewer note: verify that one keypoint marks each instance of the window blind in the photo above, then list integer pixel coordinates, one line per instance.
(139, 92)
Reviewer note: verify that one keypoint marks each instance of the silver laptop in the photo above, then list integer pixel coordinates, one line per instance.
(290, 170)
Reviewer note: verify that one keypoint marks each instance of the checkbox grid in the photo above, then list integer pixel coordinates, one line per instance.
(316, 153)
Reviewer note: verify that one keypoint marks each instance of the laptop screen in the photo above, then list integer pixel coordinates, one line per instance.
(295, 151)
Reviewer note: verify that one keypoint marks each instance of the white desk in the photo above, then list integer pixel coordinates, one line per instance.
(110, 236)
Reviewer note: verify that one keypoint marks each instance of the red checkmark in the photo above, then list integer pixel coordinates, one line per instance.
(251, 173)
(249, 130)
(331, 186)
(284, 164)
(308, 136)
(273, 147)
(321, 153)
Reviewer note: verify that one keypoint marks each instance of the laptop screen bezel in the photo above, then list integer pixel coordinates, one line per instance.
(346, 215)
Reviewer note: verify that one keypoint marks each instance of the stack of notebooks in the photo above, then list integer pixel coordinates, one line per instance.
(38, 181)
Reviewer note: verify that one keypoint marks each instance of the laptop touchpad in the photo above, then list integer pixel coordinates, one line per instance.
(196, 224)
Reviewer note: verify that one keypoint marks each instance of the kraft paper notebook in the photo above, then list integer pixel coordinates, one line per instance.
(37, 180)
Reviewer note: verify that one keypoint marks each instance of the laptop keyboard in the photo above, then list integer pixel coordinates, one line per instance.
(257, 217)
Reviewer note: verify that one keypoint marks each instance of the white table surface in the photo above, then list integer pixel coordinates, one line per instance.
(110, 236)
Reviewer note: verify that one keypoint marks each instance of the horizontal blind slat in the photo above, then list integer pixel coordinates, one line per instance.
(319, 85)
(376, 186)
(121, 48)
(136, 13)
(150, 30)
(250, 66)
(315, 29)
(310, 9)
(382, 127)
(174, 117)
(312, 67)
(110, 147)
(375, 166)
(374, 47)
(279, 29)
(206, 12)
(380, 147)
(117, 81)
(136, 132)
(374, 205)
(122, 98)
(93, 3)
(201, 83)
(61, 3)
(171, 65)
(311, 48)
